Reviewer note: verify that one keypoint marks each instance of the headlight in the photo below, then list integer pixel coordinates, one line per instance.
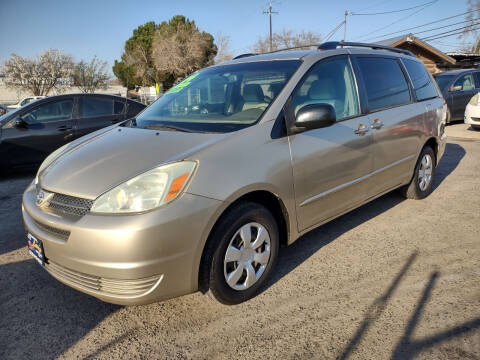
(147, 191)
(475, 100)
(48, 160)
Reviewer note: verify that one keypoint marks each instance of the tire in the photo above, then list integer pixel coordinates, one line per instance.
(475, 127)
(247, 276)
(421, 186)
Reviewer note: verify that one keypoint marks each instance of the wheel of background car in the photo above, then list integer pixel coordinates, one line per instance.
(242, 253)
(421, 184)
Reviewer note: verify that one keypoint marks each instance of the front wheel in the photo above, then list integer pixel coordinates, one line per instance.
(243, 253)
(421, 184)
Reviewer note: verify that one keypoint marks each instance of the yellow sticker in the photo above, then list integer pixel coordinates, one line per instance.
(182, 84)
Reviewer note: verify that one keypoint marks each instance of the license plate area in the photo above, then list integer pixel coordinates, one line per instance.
(35, 248)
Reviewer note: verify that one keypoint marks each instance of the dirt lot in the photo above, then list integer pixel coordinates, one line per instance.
(394, 279)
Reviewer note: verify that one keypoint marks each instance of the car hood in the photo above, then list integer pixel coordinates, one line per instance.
(98, 163)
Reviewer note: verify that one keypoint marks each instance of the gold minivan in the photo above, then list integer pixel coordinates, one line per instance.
(200, 190)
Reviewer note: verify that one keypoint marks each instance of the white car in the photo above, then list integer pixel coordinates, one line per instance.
(24, 101)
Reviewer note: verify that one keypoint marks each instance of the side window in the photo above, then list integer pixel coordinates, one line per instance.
(51, 111)
(385, 82)
(422, 84)
(466, 82)
(329, 82)
(134, 108)
(118, 107)
(93, 106)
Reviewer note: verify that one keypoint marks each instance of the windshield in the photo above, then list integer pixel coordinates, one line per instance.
(443, 81)
(219, 99)
(8, 114)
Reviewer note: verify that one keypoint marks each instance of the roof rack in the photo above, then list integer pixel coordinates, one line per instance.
(330, 45)
(244, 55)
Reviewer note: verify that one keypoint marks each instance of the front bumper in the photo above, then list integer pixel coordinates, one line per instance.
(125, 259)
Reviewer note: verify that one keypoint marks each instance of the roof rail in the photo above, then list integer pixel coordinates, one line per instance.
(275, 51)
(330, 45)
(244, 55)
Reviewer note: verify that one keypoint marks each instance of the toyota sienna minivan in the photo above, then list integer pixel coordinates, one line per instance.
(199, 191)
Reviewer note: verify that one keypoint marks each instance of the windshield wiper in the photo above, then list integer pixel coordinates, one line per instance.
(166, 127)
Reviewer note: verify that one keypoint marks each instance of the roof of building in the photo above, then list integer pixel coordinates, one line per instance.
(410, 38)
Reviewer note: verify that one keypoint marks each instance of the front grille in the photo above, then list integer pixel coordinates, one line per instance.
(70, 205)
(99, 285)
(63, 234)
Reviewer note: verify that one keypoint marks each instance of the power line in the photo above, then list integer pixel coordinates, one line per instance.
(416, 27)
(396, 11)
(375, 5)
(463, 28)
(444, 36)
(397, 21)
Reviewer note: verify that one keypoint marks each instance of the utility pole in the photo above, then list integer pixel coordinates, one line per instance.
(269, 12)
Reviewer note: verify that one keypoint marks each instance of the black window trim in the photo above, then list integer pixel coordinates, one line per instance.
(407, 80)
(411, 81)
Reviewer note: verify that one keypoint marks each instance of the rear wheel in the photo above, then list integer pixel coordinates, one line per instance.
(242, 253)
(422, 181)
(475, 127)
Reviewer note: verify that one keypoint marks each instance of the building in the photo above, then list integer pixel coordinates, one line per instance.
(464, 60)
(435, 60)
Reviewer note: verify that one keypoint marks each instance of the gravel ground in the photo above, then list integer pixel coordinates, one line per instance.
(393, 279)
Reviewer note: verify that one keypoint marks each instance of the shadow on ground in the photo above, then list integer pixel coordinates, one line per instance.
(407, 347)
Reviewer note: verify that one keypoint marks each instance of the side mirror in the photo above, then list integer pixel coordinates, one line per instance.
(456, 88)
(314, 116)
(19, 123)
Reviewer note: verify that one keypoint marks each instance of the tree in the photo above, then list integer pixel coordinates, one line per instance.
(91, 76)
(179, 48)
(136, 66)
(224, 52)
(53, 69)
(164, 52)
(286, 39)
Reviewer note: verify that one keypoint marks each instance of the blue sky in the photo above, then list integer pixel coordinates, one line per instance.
(85, 28)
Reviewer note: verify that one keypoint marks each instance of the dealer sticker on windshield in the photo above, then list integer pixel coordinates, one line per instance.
(182, 84)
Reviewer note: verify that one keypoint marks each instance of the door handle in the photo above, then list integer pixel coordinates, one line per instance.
(377, 124)
(64, 128)
(362, 130)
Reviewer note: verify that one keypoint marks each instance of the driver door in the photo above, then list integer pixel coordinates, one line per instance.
(331, 165)
(39, 131)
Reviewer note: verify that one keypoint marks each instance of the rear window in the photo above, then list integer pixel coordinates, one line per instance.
(422, 85)
(92, 106)
(385, 83)
(443, 81)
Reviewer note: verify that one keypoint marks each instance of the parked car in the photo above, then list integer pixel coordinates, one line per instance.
(472, 112)
(23, 102)
(458, 87)
(31, 132)
(199, 190)
(3, 110)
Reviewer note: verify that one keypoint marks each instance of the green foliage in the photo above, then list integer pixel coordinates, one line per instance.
(164, 52)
